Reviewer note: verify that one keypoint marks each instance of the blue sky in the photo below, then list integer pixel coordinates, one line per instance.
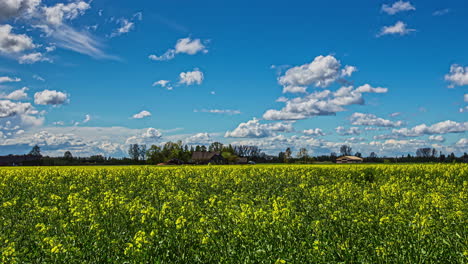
(94, 76)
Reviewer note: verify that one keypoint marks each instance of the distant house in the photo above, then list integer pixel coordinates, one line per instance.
(242, 160)
(199, 157)
(349, 159)
(19, 160)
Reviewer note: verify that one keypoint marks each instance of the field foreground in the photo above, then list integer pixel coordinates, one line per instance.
(235, 214)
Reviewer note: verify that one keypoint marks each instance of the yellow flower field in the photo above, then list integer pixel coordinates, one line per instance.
(235, 214)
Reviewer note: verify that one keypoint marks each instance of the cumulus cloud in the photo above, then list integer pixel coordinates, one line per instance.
(17, 115)
(185, 45)
(14, 43)
(321, 72)
(437, 138)
(360, 119)
(400, 28)
(141, 115)
(254, 129)
(55, 15)
(5, 79)
(151, 135)
(199, 139)
(32, 58)
(125, 27)
(313, 132)
(163, 84)
(347, 132)
(190, 46)
(444, 127)
(355, 139)
(19, 94)
(397, 7)
(50, 97)
(321, 103)
(458, 76)
(219, 111)
(13, 8)
(191, 77)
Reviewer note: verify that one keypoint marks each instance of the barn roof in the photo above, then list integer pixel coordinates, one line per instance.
(207, 155)
(350, 158)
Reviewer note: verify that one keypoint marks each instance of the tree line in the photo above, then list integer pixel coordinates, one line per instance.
(139, 154)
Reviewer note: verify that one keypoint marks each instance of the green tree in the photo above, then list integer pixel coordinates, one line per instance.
(67, 155)
(35, 151)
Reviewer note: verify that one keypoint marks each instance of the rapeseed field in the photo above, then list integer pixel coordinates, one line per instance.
(235, 214)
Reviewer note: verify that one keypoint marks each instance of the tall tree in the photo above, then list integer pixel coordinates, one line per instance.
(67, 155)
(302, 154)
(35, 151)
(373, 155)
(424, 152)
(216, 147)
(287, 155)
(134, 152)
(345, 150)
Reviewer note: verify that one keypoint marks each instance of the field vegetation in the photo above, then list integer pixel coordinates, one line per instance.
(235, 214)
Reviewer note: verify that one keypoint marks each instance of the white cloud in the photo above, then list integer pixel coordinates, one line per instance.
(164, 84)
(50, 48)
(395, 114)
(19, 94)
(360, 119)
(355, 139)
(458, 76)
(321, 72)
(151, 135)
(321, 103)
(5, 79)
(126, 25)
(190, 46)
(193, 77)
(18, 115)
(348, 71)
(465, 97)
(346, 132)
(50, 97)
(462, 143)
(39, 78)
(168, 55)
(219, 111)
(399, 28)
(87, 119)
(437, 138)
(32, 58)
(141, 115)
(463, 109)
(59, 12)
(313, 132)
(13, 8)
(185, 45)
(444, 127)
(397, 7)
(441, 12)
(199, 139)
(254, 129)
(14, 43)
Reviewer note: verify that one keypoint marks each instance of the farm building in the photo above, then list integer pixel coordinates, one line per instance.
(349, 159)
(199, 157)
(242, 160)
